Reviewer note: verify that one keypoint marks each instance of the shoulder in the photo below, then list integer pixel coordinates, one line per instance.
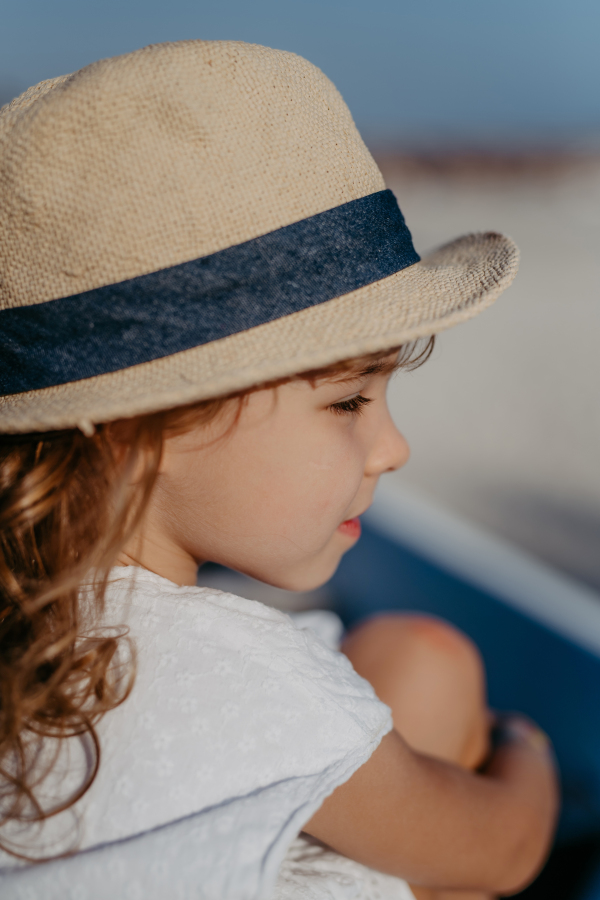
(157, 610)
(230, 644)
(230, 698)
(150, 602)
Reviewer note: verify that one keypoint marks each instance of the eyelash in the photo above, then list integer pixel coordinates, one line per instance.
(354, 405)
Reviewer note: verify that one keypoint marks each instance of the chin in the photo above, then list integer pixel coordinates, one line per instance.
(309, 578)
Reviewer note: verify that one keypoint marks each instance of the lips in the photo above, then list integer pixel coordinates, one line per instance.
(351, 527)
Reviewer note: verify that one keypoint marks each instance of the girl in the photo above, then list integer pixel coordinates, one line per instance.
(205, 288)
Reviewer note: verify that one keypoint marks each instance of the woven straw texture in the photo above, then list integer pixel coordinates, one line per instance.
(174, 152)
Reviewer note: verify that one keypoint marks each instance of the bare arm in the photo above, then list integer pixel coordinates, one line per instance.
(440, 826)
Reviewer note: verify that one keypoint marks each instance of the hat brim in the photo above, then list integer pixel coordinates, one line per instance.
(449, 286)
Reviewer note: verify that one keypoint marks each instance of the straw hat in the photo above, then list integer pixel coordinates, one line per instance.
(195, 218)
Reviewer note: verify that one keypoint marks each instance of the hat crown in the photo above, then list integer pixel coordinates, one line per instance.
(164, 155)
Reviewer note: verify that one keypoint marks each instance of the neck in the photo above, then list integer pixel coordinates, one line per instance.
(162, 557)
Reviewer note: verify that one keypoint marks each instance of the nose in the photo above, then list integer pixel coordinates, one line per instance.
(389, 452)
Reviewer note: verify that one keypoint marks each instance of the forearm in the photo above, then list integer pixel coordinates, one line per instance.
(492, 831)
(440, 826)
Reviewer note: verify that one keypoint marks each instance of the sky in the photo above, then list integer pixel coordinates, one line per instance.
(432, 74)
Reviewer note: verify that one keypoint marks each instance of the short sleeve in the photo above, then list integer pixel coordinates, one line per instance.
(239, 723)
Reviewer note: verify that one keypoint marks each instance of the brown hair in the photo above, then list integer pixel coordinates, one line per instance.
(68, 504)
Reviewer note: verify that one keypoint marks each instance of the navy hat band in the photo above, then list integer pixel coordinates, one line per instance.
(152, 316)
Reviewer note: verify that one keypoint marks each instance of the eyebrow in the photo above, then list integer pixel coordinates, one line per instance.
(377, 367)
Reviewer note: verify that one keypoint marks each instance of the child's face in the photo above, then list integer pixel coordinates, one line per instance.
(274, 497)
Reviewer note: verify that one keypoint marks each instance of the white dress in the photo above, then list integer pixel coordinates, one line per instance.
(239, 724)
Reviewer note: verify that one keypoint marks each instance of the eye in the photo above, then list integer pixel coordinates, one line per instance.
(353, 406)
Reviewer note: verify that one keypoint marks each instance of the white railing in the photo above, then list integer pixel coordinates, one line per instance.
(488, 562)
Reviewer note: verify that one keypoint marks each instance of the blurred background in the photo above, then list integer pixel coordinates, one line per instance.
(482, 116)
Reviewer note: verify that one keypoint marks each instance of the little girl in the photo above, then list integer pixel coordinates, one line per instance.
(204, 289)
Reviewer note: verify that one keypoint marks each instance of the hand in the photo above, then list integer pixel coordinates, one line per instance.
(511, 728)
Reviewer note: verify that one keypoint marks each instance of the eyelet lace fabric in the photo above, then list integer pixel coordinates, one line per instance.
(239, 724)
(311, 871)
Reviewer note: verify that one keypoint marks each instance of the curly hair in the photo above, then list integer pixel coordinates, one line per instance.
(68, 504)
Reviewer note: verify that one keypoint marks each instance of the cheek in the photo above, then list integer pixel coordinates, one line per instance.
(278, 496)
(308, 493)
